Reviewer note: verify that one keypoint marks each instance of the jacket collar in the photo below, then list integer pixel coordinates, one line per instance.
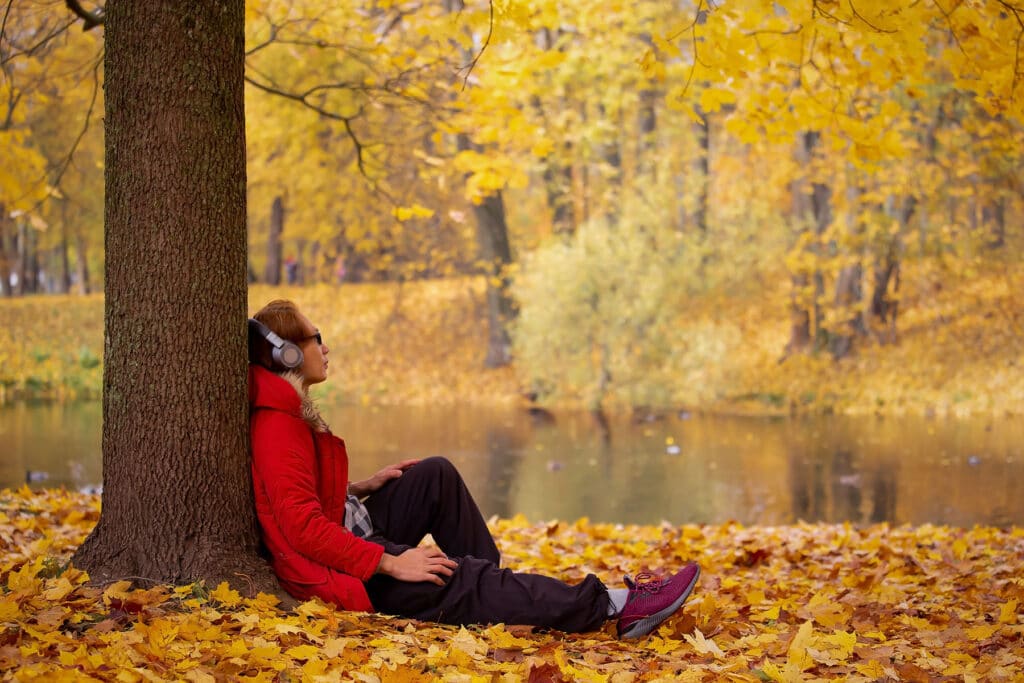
(283, 392)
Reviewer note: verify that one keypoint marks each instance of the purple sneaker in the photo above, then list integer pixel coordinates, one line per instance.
(652, 601)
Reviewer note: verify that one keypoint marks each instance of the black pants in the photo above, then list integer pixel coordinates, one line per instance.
(432, 498)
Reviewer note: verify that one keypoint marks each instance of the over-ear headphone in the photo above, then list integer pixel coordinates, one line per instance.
(284, 354)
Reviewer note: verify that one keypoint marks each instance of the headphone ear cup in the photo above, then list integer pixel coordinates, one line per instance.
(289, 355)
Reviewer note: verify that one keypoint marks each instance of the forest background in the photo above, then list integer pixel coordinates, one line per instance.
(740, 207)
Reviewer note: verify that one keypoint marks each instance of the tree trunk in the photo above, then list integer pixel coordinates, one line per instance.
(807, 208)
(272, 275)
(496, 254)
(884, 308)
(994, 217)
(313, 270)
(492, 235)
(646, 165)
(20, 262)
(558, 185)
(849, 284)
(82, 262)
(5, 262)
(177, 494)
(65, 262)
(702, 166)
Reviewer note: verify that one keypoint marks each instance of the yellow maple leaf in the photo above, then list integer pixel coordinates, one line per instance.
(797, 654)
(225, 595)
(703, 645)
(982, 631)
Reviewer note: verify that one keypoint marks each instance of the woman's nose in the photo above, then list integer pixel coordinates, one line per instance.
(324, 349)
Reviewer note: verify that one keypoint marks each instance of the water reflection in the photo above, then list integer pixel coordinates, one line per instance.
(680, 469)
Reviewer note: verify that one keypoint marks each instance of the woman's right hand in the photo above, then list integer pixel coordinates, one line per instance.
(418, 564)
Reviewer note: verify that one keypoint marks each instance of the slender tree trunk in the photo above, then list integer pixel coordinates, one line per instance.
(821, 207)
(646, 165)
(64, 283)
(994, 216)
(810, 209)
(558, 186)
(313, 270)
(885, 307)
(82, 262)
(496, 254)
(177, 494)
(703, 175)
(849, 284)
(300, 262)
(272, 274)
(5, 261)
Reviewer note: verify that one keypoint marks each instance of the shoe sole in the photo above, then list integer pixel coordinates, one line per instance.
(648, 624)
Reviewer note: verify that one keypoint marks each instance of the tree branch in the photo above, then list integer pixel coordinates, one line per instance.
(1016, 11)
(487, 41)
(90, 19)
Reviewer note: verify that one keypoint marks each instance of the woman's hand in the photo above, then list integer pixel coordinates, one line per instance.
(368, 486)
(418, 564)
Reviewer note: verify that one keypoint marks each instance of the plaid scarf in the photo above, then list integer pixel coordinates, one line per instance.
(357, 517)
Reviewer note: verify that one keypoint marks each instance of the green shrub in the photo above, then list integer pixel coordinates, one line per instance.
(596, 310)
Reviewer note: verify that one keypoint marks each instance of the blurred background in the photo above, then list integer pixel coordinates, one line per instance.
(639, 262)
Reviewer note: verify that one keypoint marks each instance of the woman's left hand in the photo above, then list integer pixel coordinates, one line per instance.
(368, 486)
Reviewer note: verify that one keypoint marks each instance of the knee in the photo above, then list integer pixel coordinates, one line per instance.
(437, 466)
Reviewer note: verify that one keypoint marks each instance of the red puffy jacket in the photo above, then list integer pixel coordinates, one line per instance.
(300, 479)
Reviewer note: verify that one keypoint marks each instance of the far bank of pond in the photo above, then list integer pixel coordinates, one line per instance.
(679, 469)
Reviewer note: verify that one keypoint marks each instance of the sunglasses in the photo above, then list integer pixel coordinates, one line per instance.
(319, 339)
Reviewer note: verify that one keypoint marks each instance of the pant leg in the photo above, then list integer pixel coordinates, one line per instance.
(479, 592)
(431, 498)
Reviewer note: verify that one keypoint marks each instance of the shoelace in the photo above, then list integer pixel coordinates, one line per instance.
(645, 582)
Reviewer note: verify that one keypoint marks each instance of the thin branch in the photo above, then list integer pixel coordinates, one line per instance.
(1016, 11)
(267, 42)
(873, 27)
(688, 28)
(89, 19)
(12, 103)
(949, 23)
(81, 134)
(301, 98)
(693, 36)
(487, 41)
(3, 24)
(825, 13)
(42, 43)
(790, 32)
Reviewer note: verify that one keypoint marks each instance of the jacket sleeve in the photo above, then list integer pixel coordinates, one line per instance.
(285, 458)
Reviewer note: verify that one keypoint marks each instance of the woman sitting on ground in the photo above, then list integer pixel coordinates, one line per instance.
(365, 555)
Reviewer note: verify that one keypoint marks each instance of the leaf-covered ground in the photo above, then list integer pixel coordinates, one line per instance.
(795, 603)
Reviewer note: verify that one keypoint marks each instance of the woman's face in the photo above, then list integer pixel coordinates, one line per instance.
(314, 355)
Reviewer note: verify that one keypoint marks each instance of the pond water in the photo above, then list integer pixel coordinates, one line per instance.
(679, 469)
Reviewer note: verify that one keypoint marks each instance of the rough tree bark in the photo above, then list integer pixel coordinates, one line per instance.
(177, 498)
